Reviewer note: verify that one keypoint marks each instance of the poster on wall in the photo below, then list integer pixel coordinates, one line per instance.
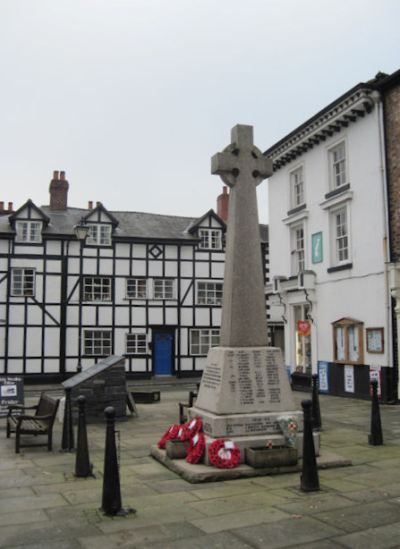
(323, 376)
(375, 373)
(316, 248)
(349, 378)
(11, 392)
(303, 328)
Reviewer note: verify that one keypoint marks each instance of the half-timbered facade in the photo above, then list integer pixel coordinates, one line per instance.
(142, 285)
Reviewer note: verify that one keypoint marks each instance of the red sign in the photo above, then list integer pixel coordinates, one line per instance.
(303, 328)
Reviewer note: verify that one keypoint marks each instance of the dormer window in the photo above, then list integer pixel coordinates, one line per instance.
(210, 239)
(99, 235)
(28, 231)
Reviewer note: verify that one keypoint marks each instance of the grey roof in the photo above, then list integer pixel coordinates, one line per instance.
(130, 224)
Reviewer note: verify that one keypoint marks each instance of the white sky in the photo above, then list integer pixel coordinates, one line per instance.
(132, 97)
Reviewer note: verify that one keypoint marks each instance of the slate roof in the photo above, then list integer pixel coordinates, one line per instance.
(130, 224)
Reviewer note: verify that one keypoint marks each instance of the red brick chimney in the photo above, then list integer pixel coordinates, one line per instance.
(58, 191)
(223, 204)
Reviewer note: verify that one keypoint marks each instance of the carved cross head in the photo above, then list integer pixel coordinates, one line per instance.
(241, 160)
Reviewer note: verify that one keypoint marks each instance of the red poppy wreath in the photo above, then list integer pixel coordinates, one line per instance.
(223, 454)
(170, 433)
(196, 448)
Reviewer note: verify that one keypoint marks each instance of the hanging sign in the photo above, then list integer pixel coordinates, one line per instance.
(303, 328)
(323, 380)
(349, 378)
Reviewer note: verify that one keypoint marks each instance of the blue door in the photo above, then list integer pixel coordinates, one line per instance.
(162, 353)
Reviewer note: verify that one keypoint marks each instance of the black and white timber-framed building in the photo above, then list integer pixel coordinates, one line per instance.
(141, 285)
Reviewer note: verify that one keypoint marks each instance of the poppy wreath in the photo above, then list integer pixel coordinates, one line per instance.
(196, 448)
(170, 433)
(223, 454)
(188, 430)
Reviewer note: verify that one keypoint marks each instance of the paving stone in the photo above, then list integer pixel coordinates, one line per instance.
(382, 537)
(315, 504)
(222, 540)
(50, 533)
(228, 521)
(223, 505)
(8, 519)
(17, 505)
(16, 492)
(361, 517)
(290, 532)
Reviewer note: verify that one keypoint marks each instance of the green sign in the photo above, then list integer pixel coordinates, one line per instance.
(316, 247)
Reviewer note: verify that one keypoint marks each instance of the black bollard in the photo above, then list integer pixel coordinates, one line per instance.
(309, 476)
(316, 411)
(67, 441)
(111, 501)
(83, 467)
(375, 438)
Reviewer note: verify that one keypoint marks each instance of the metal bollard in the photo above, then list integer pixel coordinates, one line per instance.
(375, 438)
(67, 441)
(83, 467)
(309, 477)
(316, 411)
(111, 500)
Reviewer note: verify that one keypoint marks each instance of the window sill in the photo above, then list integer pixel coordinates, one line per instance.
(297, 209)
(343, 267)
(338, 190)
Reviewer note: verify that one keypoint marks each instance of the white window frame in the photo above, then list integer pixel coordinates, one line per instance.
(202, 339)
(210, 239)
(339, 237)
(99, 234)
(209, 292)
(298, 248)
(23, 282)
(28, 231)
(97, 288)
(97, 342)
(136, 343)
(297, 188)
(136, 288)
(338, 165)
(163, 288)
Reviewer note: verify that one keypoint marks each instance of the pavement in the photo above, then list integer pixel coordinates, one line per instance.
(42, 504)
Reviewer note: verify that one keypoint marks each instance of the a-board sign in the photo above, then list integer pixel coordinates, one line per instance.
(11, 392)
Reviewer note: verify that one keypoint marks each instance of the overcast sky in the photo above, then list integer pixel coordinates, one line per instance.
(132, 97)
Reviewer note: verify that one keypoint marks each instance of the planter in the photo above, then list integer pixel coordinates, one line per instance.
(176, 449)
(271, 457)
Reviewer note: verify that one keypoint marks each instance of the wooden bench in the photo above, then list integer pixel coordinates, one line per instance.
(40, 423)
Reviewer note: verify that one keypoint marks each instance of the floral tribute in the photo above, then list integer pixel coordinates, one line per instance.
(170, 434)
(223, 454)
(197, 446)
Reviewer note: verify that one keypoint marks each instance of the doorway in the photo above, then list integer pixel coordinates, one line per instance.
(163, 352)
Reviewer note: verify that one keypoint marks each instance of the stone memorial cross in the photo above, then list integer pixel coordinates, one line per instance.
(242, 167)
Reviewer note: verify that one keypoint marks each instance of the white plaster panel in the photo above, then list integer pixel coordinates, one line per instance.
(187, 252)
(2, 367)
(34, 366)
(202, 256)
(106, 252)
(90, 251)
(53, 247)
(39, 287)
(139, 365)
(31, 263)
(89, 266)
(73, 266)
(120, 341)
(186, 269)
(155, 315)
(217, 270)
(138, 267)
(2, 341)
(3, 262)
(51, 366)
(186, 364)
(15, 341)
(171, 316)
(88, 316)
(171, 269)
(122, 267)
(72, 315)
(3, 247)
(216, 317)
(35, 214)
(183, 334)
(187, 316)
(53, 289)
(71, 363)
(52, 342)
(33, 341)
(74, 248)
(53, 266)
(155, 268)
(139, 250)
(105, 315)
(17, 314)
(171, 252)
(202, 317)
(34, 314)
(72, 342)
(122, 316)
(139, 316)
(120, 290)
(106, 266)
(202, 270)
(15, 366)
(200, 363)
(54, 311)
(73, 289)
(122, 250)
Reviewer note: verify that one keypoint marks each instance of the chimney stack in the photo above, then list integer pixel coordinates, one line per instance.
(223, 204)
(58, 191)
(10, 206)
(90, 205)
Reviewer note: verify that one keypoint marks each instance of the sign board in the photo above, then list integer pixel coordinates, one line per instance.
(303, 328)
(323, 380)
(316, 248)
(375, 373)
(349, 378)
(11, 392)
